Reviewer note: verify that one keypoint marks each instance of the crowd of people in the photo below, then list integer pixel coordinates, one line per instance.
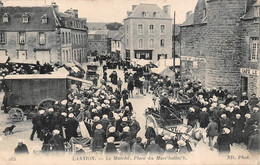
(104, 116)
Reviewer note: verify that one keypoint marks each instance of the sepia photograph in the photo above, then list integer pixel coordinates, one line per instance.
(129, 82)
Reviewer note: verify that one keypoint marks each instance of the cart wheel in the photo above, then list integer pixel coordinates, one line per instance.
(151, 119)
(46, 104)
(16, 114)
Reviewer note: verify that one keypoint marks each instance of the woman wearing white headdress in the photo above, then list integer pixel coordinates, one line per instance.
(82, 126)
(224, 141)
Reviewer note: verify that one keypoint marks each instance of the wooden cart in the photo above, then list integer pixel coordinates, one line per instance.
(25, 94)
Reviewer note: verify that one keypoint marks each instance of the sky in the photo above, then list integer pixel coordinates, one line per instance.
(108, 10)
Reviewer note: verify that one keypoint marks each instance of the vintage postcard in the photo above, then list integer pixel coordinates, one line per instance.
(129, 82)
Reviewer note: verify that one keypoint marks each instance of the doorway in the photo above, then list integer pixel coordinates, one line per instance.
(244, 84)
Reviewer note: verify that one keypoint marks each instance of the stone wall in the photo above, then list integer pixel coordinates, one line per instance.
(223, 48)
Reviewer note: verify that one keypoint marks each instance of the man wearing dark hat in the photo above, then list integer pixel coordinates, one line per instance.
(125, 146)
(137, 147)
(134, 126)
(253, 101)
(153, 148)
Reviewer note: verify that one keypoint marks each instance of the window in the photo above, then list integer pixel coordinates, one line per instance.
(42, 39)
(140, 43)
(254, 49)
(25, 18)
(154, 14)
(138, 55)
(69, 38)
(22, 38)
(63, 37)
(103, 37)
(151, 43)
(144, 14)
(2, 38)
(151, 29)
(147, 55)
(44, 19)
(162, 43)
(127, 30)
(5, 17)
(162, 29)
(256, 11)
(118, 44)
(140, 29)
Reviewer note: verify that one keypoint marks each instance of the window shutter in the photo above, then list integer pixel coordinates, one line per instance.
(44, 38)
(38, 38)
(18, 38)
(5, 37)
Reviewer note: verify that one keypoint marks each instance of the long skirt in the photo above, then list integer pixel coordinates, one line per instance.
(83, 130)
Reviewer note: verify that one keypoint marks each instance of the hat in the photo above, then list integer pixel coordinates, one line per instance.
(214, 105)
(172, 135)
(92, 104)
(222, 106)
(160, 131)
(113, 101)
(192, 109)
(56, 102)
(181, 143)
(238, 115)
(70, 108)
(169, 146)
(110, 139)
(41, 112)
(166, 137)
(226, 131)
(126, 129)
(94, 110)
(133, 117)
(99, 126)
(96, 118)
(55, 132)
(71, 115)
(127, 108)
(89, 100)
(242, 104)
(50, 109)
(99, 108)
(204, 109)
(138, 139)
(116, 116)
(223, 115)
(124, 119)
(185, 137)
(103, 105)
(121, 114)
(255, 109)
(247, 115)
(64, 114)
(150, 125)
(112, 129)
(64, 102)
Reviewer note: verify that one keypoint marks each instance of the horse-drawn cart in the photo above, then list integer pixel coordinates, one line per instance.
(92, 71)
(25, 94)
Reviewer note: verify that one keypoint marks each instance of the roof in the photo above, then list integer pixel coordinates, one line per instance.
(149, 9)
(250, 13)
(97, 25)
(104, 32)
(112, 33)
(35, 13)
(189, 21)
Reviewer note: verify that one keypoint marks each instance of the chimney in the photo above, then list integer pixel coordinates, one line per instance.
(1, 4)
(188, 14)
(129, 13)
(76, 13)
(133, 7)
(55, 7)
(167, 9)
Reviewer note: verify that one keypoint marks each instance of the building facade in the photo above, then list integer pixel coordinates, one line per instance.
(219, 45)
(148, 32)
(118, 45)
(98, 42)
(43, 34)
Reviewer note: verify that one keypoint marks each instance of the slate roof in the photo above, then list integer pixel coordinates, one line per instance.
(105, 32)
(97, 26)
(150, 9)
(35, 13)
(189, 21)
(250, 13)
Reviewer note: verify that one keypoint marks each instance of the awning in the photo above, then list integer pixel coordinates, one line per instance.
(143, 62)
(22, 61)
(163, 71)
(60, 71)
(167, 62)
(81, 80)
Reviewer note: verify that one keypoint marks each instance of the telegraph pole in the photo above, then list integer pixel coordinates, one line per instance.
(173, 37)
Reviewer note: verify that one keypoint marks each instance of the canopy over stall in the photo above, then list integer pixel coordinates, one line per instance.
(163, 71)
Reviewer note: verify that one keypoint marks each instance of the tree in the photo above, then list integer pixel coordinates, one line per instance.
(113, 26)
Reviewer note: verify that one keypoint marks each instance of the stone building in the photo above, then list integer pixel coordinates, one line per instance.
(148, 32)
(118, 45)
(219, 45)
(43, 34)
(98, 43)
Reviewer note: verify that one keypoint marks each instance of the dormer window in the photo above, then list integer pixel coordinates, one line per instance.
(144, 14)
(44, 19)
(25, 18)
(154, 14)
(5, 17)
